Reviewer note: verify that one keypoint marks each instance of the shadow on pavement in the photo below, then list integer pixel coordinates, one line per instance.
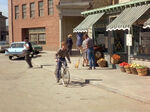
(77, 84)
(82, 83)
(36, 56)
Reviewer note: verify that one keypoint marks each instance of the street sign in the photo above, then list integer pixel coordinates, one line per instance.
(129, 39)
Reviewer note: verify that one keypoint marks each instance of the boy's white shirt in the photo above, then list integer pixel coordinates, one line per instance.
(26, 45)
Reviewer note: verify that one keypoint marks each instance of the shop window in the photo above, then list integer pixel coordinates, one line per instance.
(24, 11)
(50, 7)
(41, 8)
(37, 35)
(119, 41)
(16, 12)
(41, 39)
(144, 47)
(32, 10)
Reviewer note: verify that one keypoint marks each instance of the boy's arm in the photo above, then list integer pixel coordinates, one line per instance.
(68, 57)
(57, 54)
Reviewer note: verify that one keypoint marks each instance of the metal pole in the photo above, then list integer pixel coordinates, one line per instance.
(129, 50)
(60, 30)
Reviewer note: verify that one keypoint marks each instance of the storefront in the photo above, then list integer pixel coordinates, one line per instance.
(118, 22)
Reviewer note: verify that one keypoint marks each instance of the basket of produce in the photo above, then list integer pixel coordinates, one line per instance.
(142, 70)
(127, 69)
(115, 59)
(122, 69)
(102, 62)
(133, 68)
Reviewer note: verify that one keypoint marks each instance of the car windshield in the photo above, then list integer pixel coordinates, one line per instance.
(17, 45)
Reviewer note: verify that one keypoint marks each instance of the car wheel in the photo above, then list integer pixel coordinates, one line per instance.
(10, 57)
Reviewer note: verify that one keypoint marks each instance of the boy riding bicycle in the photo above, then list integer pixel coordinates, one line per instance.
(60, 58)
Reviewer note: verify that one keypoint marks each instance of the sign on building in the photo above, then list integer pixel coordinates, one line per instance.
(129, 40)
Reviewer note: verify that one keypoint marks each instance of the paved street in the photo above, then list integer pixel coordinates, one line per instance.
(35, 90)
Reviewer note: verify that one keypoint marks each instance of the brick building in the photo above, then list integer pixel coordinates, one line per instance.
(37, 19)
(3, 29)
(47, 22)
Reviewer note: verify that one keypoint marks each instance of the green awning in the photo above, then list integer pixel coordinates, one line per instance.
(147, 24)
(126, 19)
(124, 5)
(88, 22)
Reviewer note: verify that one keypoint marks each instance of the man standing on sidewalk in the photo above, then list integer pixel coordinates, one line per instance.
(28, 50)
(90, 51)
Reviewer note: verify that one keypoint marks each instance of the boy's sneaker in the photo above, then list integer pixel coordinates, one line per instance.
(57, 80)
(90, 68)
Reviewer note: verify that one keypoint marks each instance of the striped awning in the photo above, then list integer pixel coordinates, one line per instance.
(126, 19)
(147, 24)
(88, 22)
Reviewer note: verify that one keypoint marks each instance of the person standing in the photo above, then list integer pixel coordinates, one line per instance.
(84, 52)
(69, 43)
(79, 41)
(90, 51)
(28, 50)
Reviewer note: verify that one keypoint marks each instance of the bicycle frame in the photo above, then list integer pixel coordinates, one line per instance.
(64, 74)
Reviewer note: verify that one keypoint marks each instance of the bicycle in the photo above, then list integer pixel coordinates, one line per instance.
(64, 74)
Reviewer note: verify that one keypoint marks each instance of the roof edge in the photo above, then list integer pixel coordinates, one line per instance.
(121, 5)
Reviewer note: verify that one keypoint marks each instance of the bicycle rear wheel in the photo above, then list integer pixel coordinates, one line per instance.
(65, 77)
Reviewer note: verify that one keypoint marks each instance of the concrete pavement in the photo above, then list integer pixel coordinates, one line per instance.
(133, 86)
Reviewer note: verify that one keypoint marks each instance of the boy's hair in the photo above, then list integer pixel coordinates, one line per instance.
(63, 43)
(69, 35)
(85, 35)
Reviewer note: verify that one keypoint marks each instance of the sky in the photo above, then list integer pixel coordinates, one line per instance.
(4, 7)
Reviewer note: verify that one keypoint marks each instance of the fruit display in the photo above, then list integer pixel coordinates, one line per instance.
(102, 62)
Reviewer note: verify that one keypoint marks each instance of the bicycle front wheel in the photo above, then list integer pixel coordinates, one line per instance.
(65, 77)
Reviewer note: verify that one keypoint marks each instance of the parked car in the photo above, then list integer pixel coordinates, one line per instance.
(17, 50)
(36, 48)
(3, 45)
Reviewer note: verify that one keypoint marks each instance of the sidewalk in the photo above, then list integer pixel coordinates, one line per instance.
(133, 86)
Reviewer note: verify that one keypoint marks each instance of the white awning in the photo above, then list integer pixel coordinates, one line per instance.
(126, 19)
(147, 24)
(88, 22)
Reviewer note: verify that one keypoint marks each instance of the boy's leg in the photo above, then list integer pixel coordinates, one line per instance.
(89, 57)
(93, 59)
(58, 70)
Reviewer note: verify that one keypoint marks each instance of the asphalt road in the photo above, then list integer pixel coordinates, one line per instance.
(35, 90)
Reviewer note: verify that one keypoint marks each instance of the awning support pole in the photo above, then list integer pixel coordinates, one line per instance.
(129, 50)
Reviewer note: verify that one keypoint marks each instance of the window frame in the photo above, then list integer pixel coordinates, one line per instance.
(40, 9)
(17, 12)
(24, 11)
(32, 10)
(50, 7)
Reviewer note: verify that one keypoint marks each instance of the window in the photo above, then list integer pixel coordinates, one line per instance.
(37, 35)
(16, 12)
(50, 7)
(32, 10)
(24, 11)
(41, 8)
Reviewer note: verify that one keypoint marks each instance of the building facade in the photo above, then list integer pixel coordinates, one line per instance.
(3, 28)
(120, 29)
(48, 22)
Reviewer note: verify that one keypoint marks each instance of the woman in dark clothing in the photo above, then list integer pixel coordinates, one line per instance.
(69, 44)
